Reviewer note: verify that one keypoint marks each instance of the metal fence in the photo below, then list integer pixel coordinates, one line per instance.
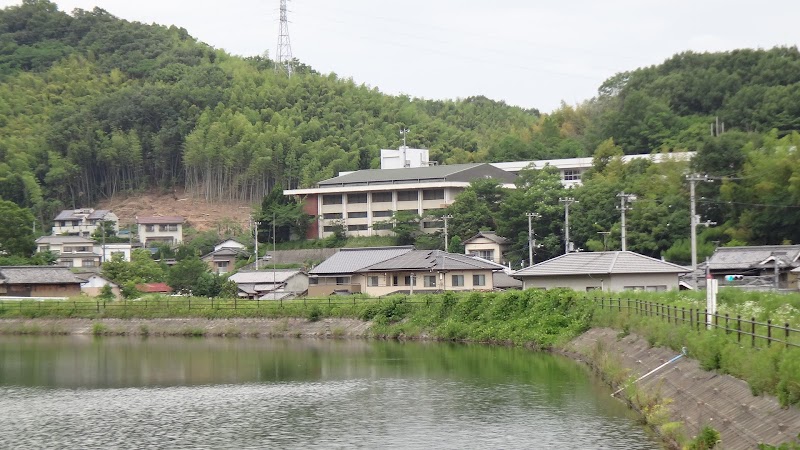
(701, 319)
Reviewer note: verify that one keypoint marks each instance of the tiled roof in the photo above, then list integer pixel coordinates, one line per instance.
(153, 287)
(735, 258)
(37, 275)
(264, 276)
(350, 260)
(455, 172)
(600, 263)
(79, 214)
(156, 220)
(432, 260)
(60, 240)
(491, 235)
(501, 280)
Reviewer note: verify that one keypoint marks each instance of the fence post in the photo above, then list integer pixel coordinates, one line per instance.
(769, 332)
(691, 318)
(752, 331)
(619, 304)
(716, 319)
(738, 328)
(786, 327)
(602, 299)
(726, 324)
(629, 305)
(98, 306)
(683, 315)
(235, 301)
(705, 317)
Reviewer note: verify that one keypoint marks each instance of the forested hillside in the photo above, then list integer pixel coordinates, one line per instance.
(92, 105)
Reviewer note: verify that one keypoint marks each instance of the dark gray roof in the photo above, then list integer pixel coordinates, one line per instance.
(737, 258)
(351, 260)
(455, 172)
(502, 280)
(432, 260)
(227, 251)
(491, 235)
(37, 275)
(600, 263)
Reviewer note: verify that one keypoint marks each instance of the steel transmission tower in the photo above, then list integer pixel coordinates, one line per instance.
(283, 63)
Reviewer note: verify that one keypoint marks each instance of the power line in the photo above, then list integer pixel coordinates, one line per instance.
(766, 205)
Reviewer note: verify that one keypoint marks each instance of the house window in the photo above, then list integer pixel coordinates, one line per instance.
(168, 227)
(332, 199)
(381, 197)
(659, 288)
(44, 248)
(222, 264)
(382, 213)
(572, 175)
(372, 281)
(361, 227)
(429, 281)
(342, 280)
(433, 224)
(120, 254)
(592, 288)
(633, 288)
(88, 263)
(457, 280)
(330, 216)
(150, 228)
(407, 196)
(485, 254)
(433, 194)
(356, 198)
(479, 280)
(329, 229)
(357, 215)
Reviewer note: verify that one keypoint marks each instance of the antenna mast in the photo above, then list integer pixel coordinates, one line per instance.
(283, 63)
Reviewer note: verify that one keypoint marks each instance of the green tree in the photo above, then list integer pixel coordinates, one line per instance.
(16, 230)
(186, 274)
(455, 245)
(405, 226)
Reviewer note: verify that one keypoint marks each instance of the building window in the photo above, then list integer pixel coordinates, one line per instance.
(356, 198)
(407, 196)
(592, 288)
(485, 254)
(572, 175)
(381, 197)
(357, 215)
(168, 227)
(429, 281)
(479, 280)
(457, 280)
(361, 227)
(329, 228)
(88, 263)
(222, 264)
(408, 211)
(149, 228)
(660, 288)
(434, 224)
(433, 194)
(330, 216)
(332, 199)
(342, 280)
(633, 288)
(372, 281)
(381, 213)
(382, 226)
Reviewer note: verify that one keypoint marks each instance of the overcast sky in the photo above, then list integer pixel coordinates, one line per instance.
(531, 53)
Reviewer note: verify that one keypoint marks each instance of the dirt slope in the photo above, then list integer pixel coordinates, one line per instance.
(199, 214)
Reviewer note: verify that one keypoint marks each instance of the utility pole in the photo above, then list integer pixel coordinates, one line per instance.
(566, 201)
(531, 239)
(694, 220)
(254, 226)
(624, 200)
(274, 262)
(404, 133)
(283, 62)
(445, 217)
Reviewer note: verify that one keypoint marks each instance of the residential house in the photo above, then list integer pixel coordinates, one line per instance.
(230, 243)
(428, 270)
(82, 222)
(364, 202)
(70, 251)
(160, 229)
(487, 245)
(757, 266)
(109, 251)
(224, 259)
(607, 271)
(340, 272)
(271, 284)
(38, 281)
(93, 284)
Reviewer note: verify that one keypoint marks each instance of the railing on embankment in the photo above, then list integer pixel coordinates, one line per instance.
(701, 319)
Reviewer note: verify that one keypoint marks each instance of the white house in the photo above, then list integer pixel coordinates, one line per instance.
(487, 245)
(271, 284)
(93, 285)
(70, 251)
(108, 251)
(82, 222)
(164, 229)
(606, 271)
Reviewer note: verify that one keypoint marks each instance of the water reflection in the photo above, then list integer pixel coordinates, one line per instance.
(251, 393)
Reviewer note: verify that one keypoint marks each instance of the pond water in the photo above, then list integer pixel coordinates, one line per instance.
(85, 392)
